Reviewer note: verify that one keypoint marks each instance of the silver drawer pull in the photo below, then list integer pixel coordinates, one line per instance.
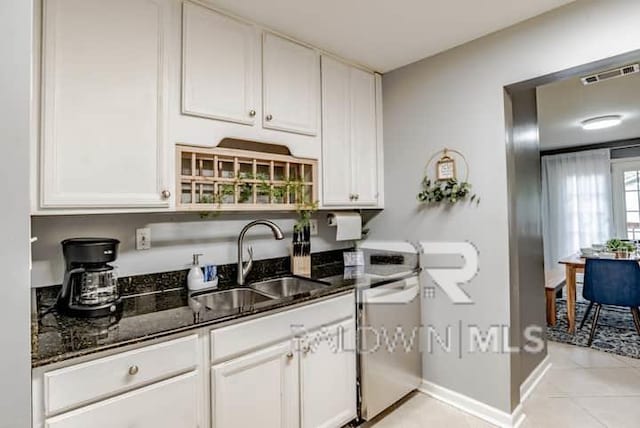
(133, 370)
(289, 355)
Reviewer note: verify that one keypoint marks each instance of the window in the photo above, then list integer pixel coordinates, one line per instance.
(626, 197)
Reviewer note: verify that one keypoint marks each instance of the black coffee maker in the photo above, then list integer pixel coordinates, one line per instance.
(90, 287)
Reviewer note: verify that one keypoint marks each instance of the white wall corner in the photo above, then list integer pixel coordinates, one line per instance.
(474, 407)
(534, 378)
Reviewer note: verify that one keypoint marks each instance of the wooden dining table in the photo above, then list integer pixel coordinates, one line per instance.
(573, 265)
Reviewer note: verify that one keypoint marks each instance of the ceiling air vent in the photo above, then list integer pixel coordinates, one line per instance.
(610, 74)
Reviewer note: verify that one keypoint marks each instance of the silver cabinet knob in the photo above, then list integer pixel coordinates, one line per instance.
(252, 113)
(268, 117)
(133, 370)
(165, 194)
(357, 196)
(290, 355)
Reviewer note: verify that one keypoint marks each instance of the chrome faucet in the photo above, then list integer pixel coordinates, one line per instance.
(244, 268)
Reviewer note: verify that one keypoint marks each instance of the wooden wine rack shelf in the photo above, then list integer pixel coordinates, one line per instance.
(221, 179)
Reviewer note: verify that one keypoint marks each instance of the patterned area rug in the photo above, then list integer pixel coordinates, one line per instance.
(615, 333)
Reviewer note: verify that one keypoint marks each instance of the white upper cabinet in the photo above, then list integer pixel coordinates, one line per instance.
(291, 86)
(351, 140)
(364, 144)
(218, 66)
(336, 130)
(103, 104)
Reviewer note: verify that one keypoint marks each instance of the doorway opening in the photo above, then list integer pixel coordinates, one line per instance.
(572, 189)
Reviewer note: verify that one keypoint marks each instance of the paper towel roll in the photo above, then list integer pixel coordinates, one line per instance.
(349, 225)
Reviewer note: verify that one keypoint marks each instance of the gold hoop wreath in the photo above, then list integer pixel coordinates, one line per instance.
(445, 187)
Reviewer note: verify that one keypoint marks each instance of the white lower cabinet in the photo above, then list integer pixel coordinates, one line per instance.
(292, 369)
(167, 404)
(258, 389)
(307, 382)
(153, 386)
(328, 377)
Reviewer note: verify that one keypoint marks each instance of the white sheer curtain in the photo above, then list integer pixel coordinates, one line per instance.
(576, 203)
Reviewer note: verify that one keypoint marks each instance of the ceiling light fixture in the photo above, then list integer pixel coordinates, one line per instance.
(601, 122)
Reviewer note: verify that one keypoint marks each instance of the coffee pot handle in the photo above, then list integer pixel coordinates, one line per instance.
(63, 297)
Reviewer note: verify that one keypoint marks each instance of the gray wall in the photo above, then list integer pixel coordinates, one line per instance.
(456, 100)
(174, 238)
(15, 71)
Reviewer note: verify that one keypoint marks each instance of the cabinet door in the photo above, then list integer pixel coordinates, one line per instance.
(103, 103)
(328, 377)
(364, 145)
(219, 66)
(259, 389)
(167, 404)
(291, 86)
(336, 134)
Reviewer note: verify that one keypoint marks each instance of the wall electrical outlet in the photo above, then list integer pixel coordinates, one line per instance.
(143, 239)
(313, 226)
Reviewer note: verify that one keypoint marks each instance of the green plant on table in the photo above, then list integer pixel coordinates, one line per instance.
(618, 245)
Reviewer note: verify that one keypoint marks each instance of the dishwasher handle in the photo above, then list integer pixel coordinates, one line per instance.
(399, 292)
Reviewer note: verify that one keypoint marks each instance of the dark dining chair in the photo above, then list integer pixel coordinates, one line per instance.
(611, 282)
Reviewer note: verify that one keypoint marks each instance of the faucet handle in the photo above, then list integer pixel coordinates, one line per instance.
(246, 266)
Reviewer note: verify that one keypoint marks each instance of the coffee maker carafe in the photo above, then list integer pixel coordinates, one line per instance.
(90, 286)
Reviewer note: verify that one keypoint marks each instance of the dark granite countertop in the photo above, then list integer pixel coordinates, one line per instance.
(59, 337)
(165, 311)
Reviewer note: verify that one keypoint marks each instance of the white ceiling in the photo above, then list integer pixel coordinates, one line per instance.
(387, 34)
(563, 105)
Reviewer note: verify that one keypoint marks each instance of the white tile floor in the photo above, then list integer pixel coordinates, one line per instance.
(584, 388)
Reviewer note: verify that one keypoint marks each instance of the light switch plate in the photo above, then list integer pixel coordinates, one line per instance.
(143, 239)
(313, 226)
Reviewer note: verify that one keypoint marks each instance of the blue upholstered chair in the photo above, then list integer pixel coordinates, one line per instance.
(611, 282)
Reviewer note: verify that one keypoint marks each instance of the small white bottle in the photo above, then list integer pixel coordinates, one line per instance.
(195, 278)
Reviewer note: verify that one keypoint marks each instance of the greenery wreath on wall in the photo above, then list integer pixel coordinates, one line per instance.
(445, 186)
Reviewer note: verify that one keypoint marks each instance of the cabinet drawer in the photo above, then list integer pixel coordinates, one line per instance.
(240, 338)
(83, 383)
(167, 404)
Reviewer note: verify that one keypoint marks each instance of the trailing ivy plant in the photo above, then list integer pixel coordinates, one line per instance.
(450, 191)
(276, 193)
(305, 210)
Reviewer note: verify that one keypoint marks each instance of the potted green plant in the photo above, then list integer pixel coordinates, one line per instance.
(622, 249)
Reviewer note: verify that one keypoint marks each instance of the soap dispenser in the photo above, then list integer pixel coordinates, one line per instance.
(195, 278)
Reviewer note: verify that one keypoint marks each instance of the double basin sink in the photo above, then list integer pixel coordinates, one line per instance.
(259, 292)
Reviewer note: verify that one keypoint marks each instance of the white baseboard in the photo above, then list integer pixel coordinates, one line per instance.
(534, 378)
(474, 407)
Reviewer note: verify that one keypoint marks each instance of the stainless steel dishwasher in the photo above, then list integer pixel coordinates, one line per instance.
(390, 363)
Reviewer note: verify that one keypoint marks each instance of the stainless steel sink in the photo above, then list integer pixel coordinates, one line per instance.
(232, 299)
(288, 286)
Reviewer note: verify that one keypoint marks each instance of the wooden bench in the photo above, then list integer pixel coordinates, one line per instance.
(553, 280)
